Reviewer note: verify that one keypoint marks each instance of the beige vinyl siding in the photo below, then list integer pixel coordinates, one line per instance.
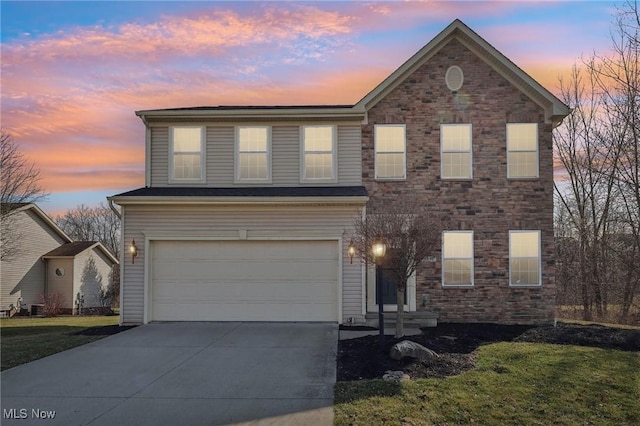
(24, 275)
(220, 160)
(159, 156)
(349, 155)
(227, 222)
(88, 279)
(63, 286)
(285, 156)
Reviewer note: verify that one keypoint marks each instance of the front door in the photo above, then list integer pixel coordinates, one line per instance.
(389, 293)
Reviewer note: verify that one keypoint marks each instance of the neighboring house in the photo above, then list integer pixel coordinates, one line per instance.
(246, 211)
(48, 261)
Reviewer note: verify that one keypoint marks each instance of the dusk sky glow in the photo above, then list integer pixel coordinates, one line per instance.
(73, 73)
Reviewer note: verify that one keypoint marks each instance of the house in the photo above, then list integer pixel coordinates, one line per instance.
(246, 211)
(48, 261)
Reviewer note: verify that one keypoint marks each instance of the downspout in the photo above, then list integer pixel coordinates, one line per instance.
(113, 208)
(147, 152)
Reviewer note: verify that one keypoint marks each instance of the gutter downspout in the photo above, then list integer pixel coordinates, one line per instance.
(147, 151)
(113, 209)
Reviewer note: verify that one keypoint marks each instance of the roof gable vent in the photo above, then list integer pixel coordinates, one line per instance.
(454, 78)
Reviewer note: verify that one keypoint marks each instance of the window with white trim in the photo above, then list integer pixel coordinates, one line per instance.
(318, 153)
(522, 150)
(455, 151)
(390, 151)
(253, 145)
(457, 258)
(524, 258)
(187, 154)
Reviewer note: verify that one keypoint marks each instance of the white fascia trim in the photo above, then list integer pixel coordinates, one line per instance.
(239, 200)
(268, 113)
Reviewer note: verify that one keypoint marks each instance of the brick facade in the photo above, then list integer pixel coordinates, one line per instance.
(489, 204)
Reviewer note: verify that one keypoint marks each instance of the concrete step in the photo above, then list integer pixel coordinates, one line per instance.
(411, 319)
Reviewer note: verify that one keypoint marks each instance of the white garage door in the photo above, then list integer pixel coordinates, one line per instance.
(244, 280)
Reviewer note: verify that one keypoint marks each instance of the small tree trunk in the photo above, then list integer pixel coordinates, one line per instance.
(400, 312)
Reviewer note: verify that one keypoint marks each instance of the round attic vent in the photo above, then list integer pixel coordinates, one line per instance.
(454, 78)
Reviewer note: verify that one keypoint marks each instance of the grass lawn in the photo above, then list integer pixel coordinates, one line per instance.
(27, 339)
(514, 384)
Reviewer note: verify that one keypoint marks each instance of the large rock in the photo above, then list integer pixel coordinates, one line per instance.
(395, 376)
(407, 348)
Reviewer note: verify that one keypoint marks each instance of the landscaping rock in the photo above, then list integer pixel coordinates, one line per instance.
(407, 348)
(395, 376)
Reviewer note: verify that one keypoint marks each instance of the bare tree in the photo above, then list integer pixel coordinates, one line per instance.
(599, 148)
(98, 223)
(411, 233)
(19, 183)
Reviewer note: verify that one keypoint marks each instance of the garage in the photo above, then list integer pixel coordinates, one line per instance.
(244, 280)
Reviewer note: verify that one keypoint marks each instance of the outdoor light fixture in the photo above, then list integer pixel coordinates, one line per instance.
(351, 250)
(133, 250)
(379, 249)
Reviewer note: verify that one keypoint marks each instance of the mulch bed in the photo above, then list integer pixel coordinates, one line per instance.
(105, 330)
(362, 358)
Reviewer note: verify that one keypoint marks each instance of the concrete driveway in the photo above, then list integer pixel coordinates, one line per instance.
(182, 373)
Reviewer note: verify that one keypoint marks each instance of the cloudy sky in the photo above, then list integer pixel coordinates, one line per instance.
(73, 73)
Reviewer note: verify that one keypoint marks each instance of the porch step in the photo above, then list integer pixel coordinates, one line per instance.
(411, 319)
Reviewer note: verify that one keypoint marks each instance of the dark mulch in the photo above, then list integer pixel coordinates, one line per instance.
(362, 358)
(105, 330)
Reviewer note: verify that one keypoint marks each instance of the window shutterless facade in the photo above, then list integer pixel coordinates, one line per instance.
(187, 152)
(455, 151)
(253, 154)
(390, 151)
(524, 258)
(318, 153)
(457, 258)
(522, 150)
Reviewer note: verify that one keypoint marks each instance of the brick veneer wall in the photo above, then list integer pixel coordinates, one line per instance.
(489, 204)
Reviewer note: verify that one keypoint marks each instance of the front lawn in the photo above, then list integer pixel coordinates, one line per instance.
(513, 383)
(27, 339)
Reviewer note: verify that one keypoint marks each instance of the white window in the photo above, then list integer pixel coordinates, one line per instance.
(253, 154)
(455, 150)
(318, 153)
(390, 150)
(524, 258)
(522, 150)
(187, 154)
(457, 258)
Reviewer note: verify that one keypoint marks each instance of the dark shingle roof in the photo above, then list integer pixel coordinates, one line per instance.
(288, 191)
(9, 207)
(252, 107)
(71, 249)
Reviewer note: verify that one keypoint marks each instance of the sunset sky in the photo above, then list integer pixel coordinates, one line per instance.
(73, 73)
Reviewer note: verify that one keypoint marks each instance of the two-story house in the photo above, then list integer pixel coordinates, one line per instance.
(246, 211)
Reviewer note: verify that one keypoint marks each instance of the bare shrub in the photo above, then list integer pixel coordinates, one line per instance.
(52, 304)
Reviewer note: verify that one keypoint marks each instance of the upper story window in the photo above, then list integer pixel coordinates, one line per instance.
(318, 153)
(522, 150)
(390, 150)
(253, 154)
(455, 148)
(457, 258)
(187, 154)
(524, 258)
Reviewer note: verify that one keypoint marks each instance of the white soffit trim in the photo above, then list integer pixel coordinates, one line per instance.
(240, 200)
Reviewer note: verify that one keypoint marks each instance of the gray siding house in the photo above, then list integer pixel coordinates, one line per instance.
(246, 211)
(48, 261)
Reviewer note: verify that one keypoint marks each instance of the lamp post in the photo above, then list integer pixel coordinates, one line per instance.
(378, 250)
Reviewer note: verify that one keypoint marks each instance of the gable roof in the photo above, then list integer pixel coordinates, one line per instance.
(14, 208)
(555, 109)
(75, 248)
